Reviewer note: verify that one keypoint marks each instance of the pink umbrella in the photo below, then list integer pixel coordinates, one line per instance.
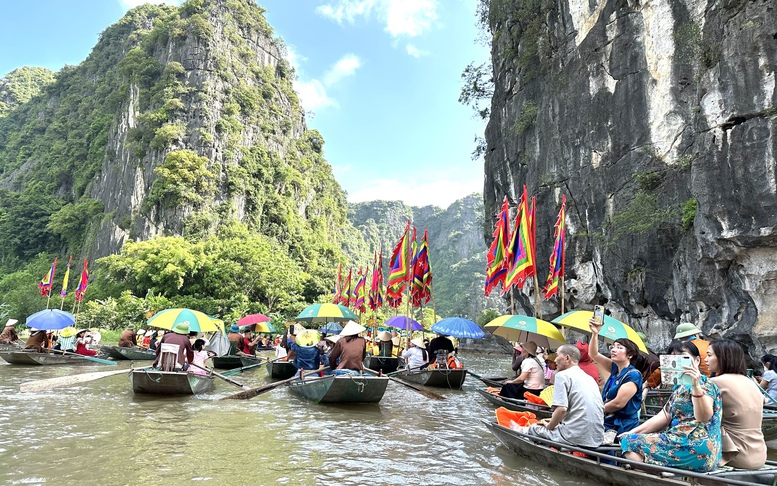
(252, 319)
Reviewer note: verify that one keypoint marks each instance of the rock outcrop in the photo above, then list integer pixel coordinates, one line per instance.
(658, 120)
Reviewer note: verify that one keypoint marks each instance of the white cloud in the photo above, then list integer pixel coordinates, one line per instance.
(409, 18)
(128, 4)
(415, 52)
(312, 95)
(346, 66)
(438, 192)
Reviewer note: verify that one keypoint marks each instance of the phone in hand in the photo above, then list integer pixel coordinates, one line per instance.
(673, 369)
(599, 314)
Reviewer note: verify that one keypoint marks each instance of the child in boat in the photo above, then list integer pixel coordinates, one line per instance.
(200, 355)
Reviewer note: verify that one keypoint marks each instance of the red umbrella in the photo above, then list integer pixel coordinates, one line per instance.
(252, 319)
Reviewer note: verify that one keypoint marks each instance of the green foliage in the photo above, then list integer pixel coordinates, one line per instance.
(167, 134)
(201, 28)
(72, 220)
(477, 88)
(647, 181)
(20, 85)
(527, 117)
(183, 178)
(24, 225)
(689, 213)
(643, 216)
(487, 315)
(19, 295)
(693, 47)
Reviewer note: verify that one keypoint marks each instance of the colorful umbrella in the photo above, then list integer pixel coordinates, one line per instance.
(197, 321)
(252, 319)
(611, 330)
(402, 322)
(51, 319)
(526, 328)
(326, 313)
(331, 328)
(458, 327)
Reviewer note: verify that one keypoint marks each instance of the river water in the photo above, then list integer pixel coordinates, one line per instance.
(101, 433)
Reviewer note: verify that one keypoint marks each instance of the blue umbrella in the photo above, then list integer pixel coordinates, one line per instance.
(458, 327)
(331, 328)
(402, 322)
(51, 319)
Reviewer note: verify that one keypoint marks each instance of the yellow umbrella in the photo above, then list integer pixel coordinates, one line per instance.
(196, 320)
(611, 330)
(526, 328)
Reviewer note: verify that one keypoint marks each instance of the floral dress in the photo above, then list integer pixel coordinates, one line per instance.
(687, 443)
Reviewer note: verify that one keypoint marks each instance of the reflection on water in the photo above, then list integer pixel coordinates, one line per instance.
(100, 432)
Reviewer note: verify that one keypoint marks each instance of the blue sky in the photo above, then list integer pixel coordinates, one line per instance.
(380, 80)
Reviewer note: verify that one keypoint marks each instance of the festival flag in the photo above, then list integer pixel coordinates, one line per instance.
(394, 302)
(63, 293)
(359, 294)
(557, 258)
(45, 284)
(495, 267)
(398, 266)
(83, 283)
(345, 290)
(372, 299)
(338, 284)
(520, 254)
(380, 290)
(422, 273)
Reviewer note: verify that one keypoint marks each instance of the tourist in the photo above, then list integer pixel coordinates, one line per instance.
(179, 340)
(67, 339)
(577, 405)
(517, 359)
(689, 424)
(688, 332)
(326, 350)
(586, 364)
(743, 439)
(303, 343)
(9, 336)
(646, 363)
(532, 377)
(147, 338)
(414, 354)
(199, 356)
(622, 393)
(385, 345)
(769, 378)
(550, 368)
(127, 339)
(236, 341)
(83, 339)
(349, 351)
(249, 345)
(438, 350)
(36, 341)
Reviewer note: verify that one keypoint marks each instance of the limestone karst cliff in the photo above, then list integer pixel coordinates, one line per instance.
(658, 120)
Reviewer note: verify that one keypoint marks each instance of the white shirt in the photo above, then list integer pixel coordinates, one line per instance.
(414, 357)
(536, 378)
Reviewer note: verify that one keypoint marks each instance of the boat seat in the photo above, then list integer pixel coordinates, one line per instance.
(169, 356)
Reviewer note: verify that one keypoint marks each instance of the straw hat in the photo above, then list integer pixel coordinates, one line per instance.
(352, 329)
(551, 357)
(150, 333)
(418, 342)
(308, 337)
(686, 329)
(181, 328)
(530, 347)
(384, 336)
(67, 332)
(11, 323)
(141, 331)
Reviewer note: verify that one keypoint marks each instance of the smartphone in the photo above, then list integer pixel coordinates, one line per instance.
(599, 314)
(673, 369)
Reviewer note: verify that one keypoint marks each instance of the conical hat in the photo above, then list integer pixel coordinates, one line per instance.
(351, 329)
(384, 336)
(308, 337)
(418, 342)
(11, 323)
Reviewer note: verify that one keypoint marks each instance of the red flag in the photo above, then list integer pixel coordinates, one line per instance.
(557, 258)
(358, 293)
(422, 273)
(399, 270)
(83, 283)
(338, 284)
(520, 255)
(45, 284)
(495, 268)
(345, 291)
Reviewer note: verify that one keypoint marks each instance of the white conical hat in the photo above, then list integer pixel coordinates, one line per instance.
(351, 329)
(11, 323)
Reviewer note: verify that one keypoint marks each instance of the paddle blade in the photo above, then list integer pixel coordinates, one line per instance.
(245, 395)
(47, 384)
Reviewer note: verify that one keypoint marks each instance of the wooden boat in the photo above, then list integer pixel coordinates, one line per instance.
(387, 364)
(452, 379)
(10, 347)
(281, 370)
(541, 411)
(230, 362)
(37, 359)
(618, 471)
(495, 381)
(122, 353)
(169, 382)
(341, 388)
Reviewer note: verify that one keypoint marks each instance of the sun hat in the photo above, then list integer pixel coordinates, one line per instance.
(308, 337)
(352, 329)
(551, 357)
(395, 341)
(11, 323)
(67, 332)
(150, 333)
(141, 331)
(418, 342)
(181, 328)
(80, 331)
(686, 329)
(333, 338)
(298, 328)
(234, 328)
(384, 336)
(530, 347)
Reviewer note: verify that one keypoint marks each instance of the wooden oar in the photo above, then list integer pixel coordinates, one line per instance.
(245, 395)
(47, 384)
(228, 380)
(426, 393)
(242, 369)
(90, 358)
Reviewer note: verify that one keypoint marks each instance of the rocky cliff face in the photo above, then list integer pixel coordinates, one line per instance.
(658, 120)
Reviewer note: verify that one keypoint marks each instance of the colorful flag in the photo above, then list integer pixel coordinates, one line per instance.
(338, 284)
(398, 266)
(45, 284)
(495, 267)
(83, 283)
(394, 302)
(345, 290)
(359, 293)
(557, 258)
(63, 293)
(380, 291)
(520, 254)
(372, 299)
(422, 273)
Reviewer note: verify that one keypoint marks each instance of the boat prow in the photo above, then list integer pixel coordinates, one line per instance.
(440, 378)
(169, 382)
(281, 370)
(341, 388)
(35, 358)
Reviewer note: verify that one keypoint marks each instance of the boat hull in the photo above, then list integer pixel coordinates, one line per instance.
(281, 370)
(169, 383)
(386, 364)
(227, 362)
(341, 388)
(517, 405)
(121, 353)
(452, 379)
(33, 358)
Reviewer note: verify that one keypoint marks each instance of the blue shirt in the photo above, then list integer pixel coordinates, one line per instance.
(626, 418)
(307, 358)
